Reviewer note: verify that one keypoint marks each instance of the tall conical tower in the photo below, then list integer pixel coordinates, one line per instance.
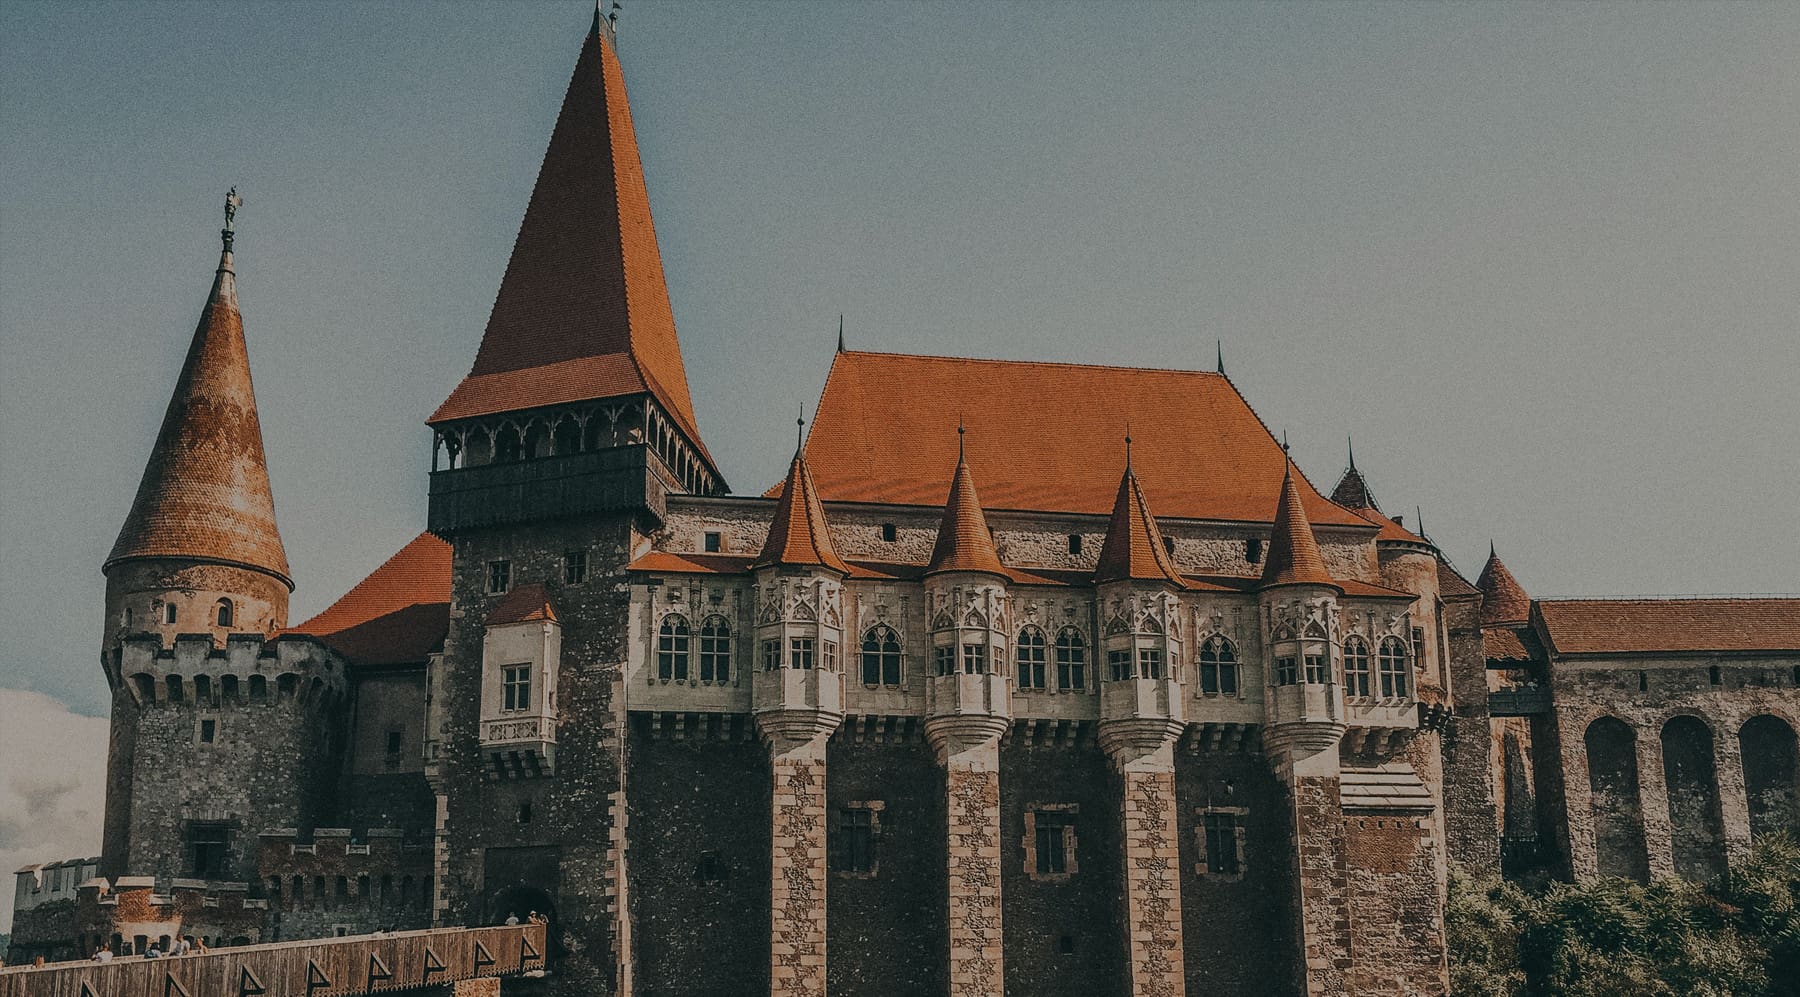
(199, 551)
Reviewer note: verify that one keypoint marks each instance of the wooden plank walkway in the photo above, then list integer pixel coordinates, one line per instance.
(321, 967)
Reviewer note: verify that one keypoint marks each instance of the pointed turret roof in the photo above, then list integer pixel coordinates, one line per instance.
(1503, 599)
(799, 535)
(1352, 491)
(583, 311)
(1134, 546)
(205, 493)
(963, 540)
(1293, 557)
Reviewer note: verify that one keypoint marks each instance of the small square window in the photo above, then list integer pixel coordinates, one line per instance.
(944, 658)
(1253, 550)
(499, 579)
(1052, 842)
(889, 533)
(1287, 671)
(710, 868)
(975, 659)
(713, 542)
(1221, 837)
(575, 567)
(1074, 543)
(800, 652)
(208, 729)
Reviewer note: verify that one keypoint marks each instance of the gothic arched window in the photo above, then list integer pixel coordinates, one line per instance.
(715, 650)
(1392, 664)
(1030, 658)
(1356, 667)
(1071, 660)
(224, 614)
(881, 656)
(672, 648)
(1218, 667)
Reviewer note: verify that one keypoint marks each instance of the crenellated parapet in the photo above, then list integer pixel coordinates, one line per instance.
(249, 669)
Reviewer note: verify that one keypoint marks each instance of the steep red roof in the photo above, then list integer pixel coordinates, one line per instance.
(583, 311)
(1134, 546)
(205, 491)
(398, 614)
(799, 535)
(1503, 599)
(523, 604)
(1504, 644)
(1451, 583)
(963, 540)
(884, 432)
(1294, 557)
(1617, 626)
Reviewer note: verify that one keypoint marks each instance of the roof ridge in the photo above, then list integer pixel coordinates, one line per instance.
(1033, 363)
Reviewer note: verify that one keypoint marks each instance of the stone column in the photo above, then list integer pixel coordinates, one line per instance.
(1653, 802)
(1577, 817)
(1142, 751)
(797, 860)
(968, 746)
(1306, 758)
(1734, 796)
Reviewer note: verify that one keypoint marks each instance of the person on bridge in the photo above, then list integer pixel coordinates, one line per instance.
(104, 953)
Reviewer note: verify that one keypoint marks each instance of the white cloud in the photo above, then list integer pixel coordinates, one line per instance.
(52, 784)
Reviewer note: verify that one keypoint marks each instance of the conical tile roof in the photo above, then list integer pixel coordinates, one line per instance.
(963, 540)
(1503, 599)
(1134, 546)
(799, 535)
(205, 491)
(583, 311)
(1293, 557)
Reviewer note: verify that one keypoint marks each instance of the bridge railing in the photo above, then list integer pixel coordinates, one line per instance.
(321, 967)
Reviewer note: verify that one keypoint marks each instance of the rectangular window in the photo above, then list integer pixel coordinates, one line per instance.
(499, 580)
(672, 650)
(1287, 671)
(393, 742)
(828, 656)
(208, 730)
(975, 659)
(207, 850)
(1071, 665)
(943, 658)
(575, 567)
(1150, 663)
(1418, 645)
(1053, 840)
(1222, 857)
(1030, 657)
(713, 541)
(1317, 671)
(771, 655)
(515, 687)
(1118, 664)
(800, 652)
(889, 533)
(854, 849)
(715, 652)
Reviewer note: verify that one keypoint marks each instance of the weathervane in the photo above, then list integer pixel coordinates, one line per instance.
(232, 203)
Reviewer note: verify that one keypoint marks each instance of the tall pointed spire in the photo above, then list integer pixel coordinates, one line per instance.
(1134, 545)
(799, 536)
(583, 311)
(963, 541)
(1503, 598)
(1294, 557)
(205, 492)
(840, 348)
(1221, 349)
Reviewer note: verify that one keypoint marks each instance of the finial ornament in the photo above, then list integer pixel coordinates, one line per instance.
(840, 332)
(961, 430)
(1352, 447)
(800, 431)
(232, 203)
(1221, 356)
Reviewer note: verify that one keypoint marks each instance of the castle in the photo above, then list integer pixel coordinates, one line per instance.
(980, 697)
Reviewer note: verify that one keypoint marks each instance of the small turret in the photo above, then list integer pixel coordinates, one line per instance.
(1137, 585)
(1503, 599)
(966, 599)
(1305, 705)
(797, 694)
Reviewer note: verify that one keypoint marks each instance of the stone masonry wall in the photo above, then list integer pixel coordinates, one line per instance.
(1152, 881)
(1470, 808)
(972, 786)
(1396, 912)
(797, 874)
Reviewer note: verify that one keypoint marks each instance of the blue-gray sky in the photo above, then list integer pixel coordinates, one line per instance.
(1539, 260)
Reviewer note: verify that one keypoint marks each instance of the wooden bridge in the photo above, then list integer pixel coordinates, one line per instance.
(437, 959)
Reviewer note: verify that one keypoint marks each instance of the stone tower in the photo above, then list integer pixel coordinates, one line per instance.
(199, 557)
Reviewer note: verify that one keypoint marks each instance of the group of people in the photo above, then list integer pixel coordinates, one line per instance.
(185, 945)
(512, 920)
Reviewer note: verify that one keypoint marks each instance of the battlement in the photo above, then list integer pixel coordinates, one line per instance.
(249, 668)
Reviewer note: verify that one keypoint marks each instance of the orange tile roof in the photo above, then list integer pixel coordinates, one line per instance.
(1623, 626)
(1039, 432)
(1503, 599)
(1451, 583)
(1294, 557)
(1134, 546)
(523, 604)
(1504, 644)
(583, 311)
(205, 491)
(963, 540)
(799, 534)
(397, 615)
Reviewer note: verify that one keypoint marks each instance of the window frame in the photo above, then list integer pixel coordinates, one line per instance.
(674, 648)
(1218, 667)
(715, 650)
(1221, 831)
(1051, 840)
(1359, 668)
(801, 652)
(575, 567)
(515, 688)
(499, 576)
(975, 657)
(1071, 660)
(1391, 668)
(880, 648)
(858, 823)
(1031, 658)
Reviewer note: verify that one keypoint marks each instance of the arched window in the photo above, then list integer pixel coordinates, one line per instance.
(259, 689)
(672, 649)
(881, 656)
(506, 444)
(224, 612)
(715, 650)
(566, 439)
(1357, 673)
(1071, 660)
(1031, 657)
(480, 448)
(173, 682)
(1218, 667)
(1392, 663)
(537, 439)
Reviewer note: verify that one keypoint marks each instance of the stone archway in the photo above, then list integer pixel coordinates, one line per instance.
(1617, 807)
(1690, 778)
(1771, 775)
